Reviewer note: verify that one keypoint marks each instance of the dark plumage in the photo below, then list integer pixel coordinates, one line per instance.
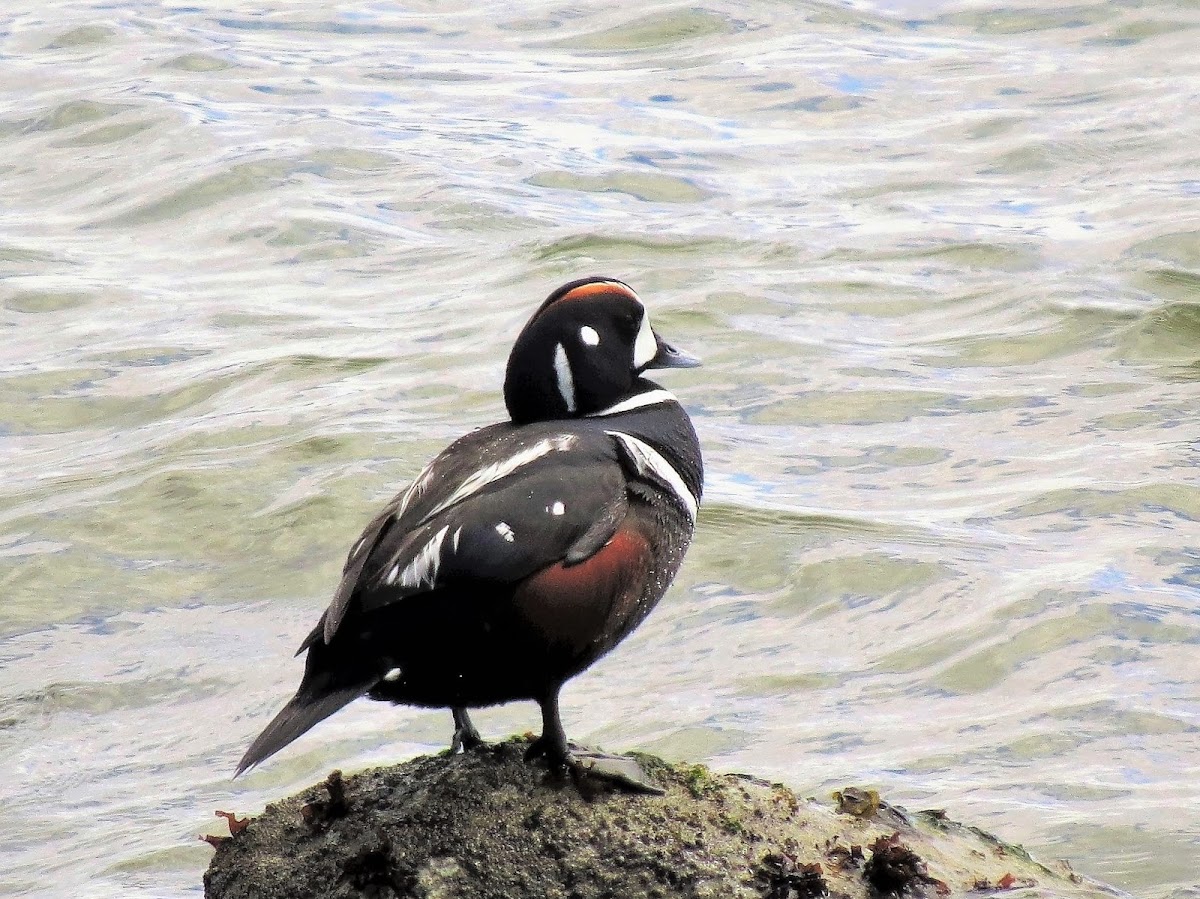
(526, 549)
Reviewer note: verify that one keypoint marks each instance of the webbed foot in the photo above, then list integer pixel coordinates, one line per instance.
(591, 768)
(621, 771)
(555, 752)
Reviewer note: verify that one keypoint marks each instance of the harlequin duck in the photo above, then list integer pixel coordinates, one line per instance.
(527, 549)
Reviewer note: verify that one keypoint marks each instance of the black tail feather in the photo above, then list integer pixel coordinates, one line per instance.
(302, 712)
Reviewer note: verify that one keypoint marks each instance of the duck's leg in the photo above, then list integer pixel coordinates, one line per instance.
(466, 737)
(552, 744)
(585, 765)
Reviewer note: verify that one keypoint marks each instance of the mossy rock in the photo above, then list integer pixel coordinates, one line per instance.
(487, 825)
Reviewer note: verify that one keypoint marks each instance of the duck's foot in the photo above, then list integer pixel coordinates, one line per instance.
(622, 771)
(466, 737)
(592, 770)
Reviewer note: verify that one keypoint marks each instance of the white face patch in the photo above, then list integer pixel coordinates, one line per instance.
(558, 508)
(505, 531)
(646, 346)
(566, 380)
(589, 336)
(394, 675)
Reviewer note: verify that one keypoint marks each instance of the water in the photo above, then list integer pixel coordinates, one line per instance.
(942, 261)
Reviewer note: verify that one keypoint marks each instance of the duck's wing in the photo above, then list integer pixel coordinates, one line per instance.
(529, 503)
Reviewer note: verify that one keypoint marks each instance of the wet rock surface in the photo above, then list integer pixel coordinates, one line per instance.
(485, 824)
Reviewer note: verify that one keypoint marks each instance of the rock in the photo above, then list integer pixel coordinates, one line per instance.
(487, 825)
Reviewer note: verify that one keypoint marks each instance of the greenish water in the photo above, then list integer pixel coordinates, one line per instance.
(942, 261)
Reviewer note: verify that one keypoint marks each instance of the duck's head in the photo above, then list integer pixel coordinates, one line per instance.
(584, 349)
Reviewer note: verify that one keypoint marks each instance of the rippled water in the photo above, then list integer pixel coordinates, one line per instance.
(942, 260)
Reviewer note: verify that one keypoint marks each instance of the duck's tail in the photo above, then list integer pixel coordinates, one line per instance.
(303, 711)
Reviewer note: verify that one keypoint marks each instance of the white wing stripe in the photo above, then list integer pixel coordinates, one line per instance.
(648, 458)
(502, 469)
(415, 489)
(423, 568)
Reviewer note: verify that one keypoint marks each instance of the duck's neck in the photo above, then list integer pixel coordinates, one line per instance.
(645, 394)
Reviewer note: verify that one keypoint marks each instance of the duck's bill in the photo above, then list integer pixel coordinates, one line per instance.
(671, 356)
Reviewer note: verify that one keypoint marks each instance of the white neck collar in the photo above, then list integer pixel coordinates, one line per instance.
(637, 401)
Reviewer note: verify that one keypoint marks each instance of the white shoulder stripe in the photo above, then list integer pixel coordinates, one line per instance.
(502, 469)
(648, 458)
(649, 398)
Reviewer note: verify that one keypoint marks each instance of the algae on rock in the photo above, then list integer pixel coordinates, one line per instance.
(487, 825)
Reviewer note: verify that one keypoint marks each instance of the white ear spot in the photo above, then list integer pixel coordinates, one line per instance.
(394, 675)
(566, 380)
(558, 508)
(646, 346)
(503, 529)
(589, 335)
